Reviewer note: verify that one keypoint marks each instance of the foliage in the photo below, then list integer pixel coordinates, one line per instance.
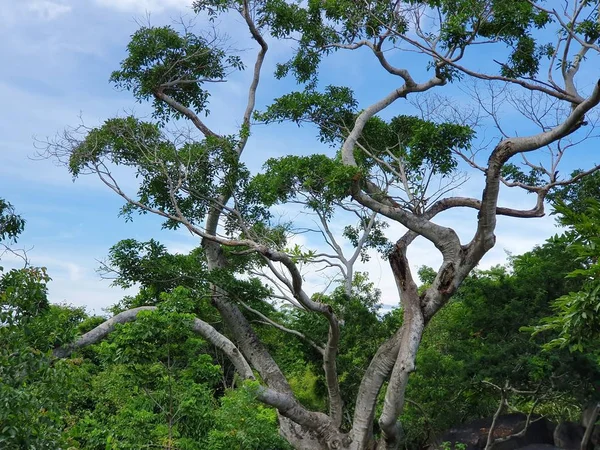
(321, 25)
(33, 392)
(325, 180)
(332, 110)
(478, 337)
(241, 423)
(23, 294)
(205, 169)
(11, 224)
(574, 196)
(155, 270)
(152, 386)
(406, 151)
(576, 319)
(161, 59)
(153, 383)
(142, 378)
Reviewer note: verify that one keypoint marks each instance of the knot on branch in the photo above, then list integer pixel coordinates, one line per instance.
(446, 279)
(502, 153)
(409, 367)
(338, 441)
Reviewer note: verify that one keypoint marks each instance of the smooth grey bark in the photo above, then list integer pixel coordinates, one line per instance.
(413, 326)
(199, 326)
(100, 332)
(458, 260)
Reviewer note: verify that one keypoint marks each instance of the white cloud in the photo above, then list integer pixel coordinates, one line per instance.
(16, 13)
(145, 5)
(48, 10)
(71, 282)
(182, 242)
(94, 294)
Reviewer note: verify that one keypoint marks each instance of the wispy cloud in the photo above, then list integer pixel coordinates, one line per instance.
(48, 10)
(145, 5)
(15, 13)
(75, 224)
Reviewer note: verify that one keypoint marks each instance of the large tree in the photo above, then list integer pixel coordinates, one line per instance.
(527, 54)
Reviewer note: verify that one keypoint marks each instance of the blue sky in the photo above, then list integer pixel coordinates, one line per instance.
(58, 55)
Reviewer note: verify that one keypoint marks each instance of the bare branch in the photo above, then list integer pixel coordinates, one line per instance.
(256, 35)
(267, 321)
(187, 112)
(204, 329)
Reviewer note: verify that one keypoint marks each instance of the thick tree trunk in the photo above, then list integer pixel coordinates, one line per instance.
(410, 339)
(300, 437)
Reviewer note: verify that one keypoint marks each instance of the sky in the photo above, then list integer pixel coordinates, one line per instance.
(57, 57)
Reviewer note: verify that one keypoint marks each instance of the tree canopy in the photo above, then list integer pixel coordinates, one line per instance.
(243, 289)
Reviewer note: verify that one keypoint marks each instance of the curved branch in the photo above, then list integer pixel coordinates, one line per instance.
(535, 86)
(333, 339)
(100, 332)
(445, 239)
(510, 147)
(185, 111)
(377, 372)
(484, 237)
(369, 112)
(199, 326)
(385, 358)
(285, 403)
(378, 52)
(255, 76)
(290, 408)
(412, 327)
(467, 202)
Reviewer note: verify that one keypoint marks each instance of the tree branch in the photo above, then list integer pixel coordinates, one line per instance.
(484, 237)
(185, 111)
(286, 404)
(199, 326)
(267, 321)
(255, 76)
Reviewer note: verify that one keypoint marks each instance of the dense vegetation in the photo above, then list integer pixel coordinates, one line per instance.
(229, 346)
(154, 383)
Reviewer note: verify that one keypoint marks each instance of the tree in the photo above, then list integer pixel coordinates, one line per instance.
(154, 383)
(385, 167)
(475, 346)
(574, 323)
(32, 392)
(575, 319)
(11, 224)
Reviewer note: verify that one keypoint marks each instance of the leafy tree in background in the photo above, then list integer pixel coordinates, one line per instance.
(575, 323)
(11, 224)
(403, 168)
(33, 392)
(478, 341)
(575, 197)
